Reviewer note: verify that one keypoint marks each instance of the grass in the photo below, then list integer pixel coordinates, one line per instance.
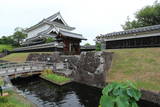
(19, 57)
(8, 47)
(14, 100)
(57, 78)
(138, 65)
(48, 74)
(16, 57)
(1, 82)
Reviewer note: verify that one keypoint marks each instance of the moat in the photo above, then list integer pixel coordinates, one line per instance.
(46, 94)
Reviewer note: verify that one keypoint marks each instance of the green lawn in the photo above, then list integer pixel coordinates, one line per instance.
(138, 65)
(56, 78)
(59, 79)
(14, 100)
(16, 57)
(8, 47)
(20, 57)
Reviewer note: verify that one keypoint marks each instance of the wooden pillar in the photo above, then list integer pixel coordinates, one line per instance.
(77, 47)
(66, 45)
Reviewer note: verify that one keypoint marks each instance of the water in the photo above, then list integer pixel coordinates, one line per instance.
(46, 94)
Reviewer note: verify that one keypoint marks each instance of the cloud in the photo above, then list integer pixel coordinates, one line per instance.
(90, 17)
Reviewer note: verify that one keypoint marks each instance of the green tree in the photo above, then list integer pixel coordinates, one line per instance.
(147, 16)
(98, 46)
(49, 39)
(18, 36)
(6, 40)
(87, 44)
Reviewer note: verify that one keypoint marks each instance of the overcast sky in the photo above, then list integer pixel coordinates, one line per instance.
(90, 17)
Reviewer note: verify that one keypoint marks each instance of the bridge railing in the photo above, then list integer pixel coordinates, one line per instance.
(29, 66)
(24, 64)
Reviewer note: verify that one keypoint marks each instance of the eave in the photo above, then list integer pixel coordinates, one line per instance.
(131, 33)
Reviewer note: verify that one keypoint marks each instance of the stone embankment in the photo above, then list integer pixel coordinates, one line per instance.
(151, 96)
(2, 55)
(89, 68)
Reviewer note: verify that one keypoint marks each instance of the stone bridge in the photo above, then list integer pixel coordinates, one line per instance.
(18, 69)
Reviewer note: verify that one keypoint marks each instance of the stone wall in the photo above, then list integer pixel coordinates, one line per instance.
(93, 67)
(46, 57)
(71, 61)
(2, 55)
(151, 96)
(89, 68)
(63, 64)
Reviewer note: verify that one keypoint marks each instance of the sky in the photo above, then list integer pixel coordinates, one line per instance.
(90, 17)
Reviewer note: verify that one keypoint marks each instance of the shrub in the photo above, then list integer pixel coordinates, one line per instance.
(123, 94)
(47, 71)
(49, 39)
(87, 44)
(98, 47)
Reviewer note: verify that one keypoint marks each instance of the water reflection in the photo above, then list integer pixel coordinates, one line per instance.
(45, 94)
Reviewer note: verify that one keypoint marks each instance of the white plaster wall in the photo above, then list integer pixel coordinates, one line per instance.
(34, 32)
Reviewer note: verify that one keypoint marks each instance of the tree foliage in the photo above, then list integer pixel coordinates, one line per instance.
(18, 36)
(49, 39)
(87, 44)
(147, 16)
(15, 39)
(6, 40)
(98, 46)
(123, 94)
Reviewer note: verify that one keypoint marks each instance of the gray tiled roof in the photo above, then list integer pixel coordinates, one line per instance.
(53, 16)
(47, 20)
(72, 35)
(137, 30)
(64, 33)
(35, 26)
(39, 46)
(130, 31)
(58, 25)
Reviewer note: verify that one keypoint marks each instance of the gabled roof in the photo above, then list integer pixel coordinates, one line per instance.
(50, 21)
(126, 33)
(58, 25)
(35, 26)
(72, 35)
(57, 16)
(47, 32)
(50, 29)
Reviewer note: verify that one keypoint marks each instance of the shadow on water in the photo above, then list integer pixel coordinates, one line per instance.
(46, 94)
